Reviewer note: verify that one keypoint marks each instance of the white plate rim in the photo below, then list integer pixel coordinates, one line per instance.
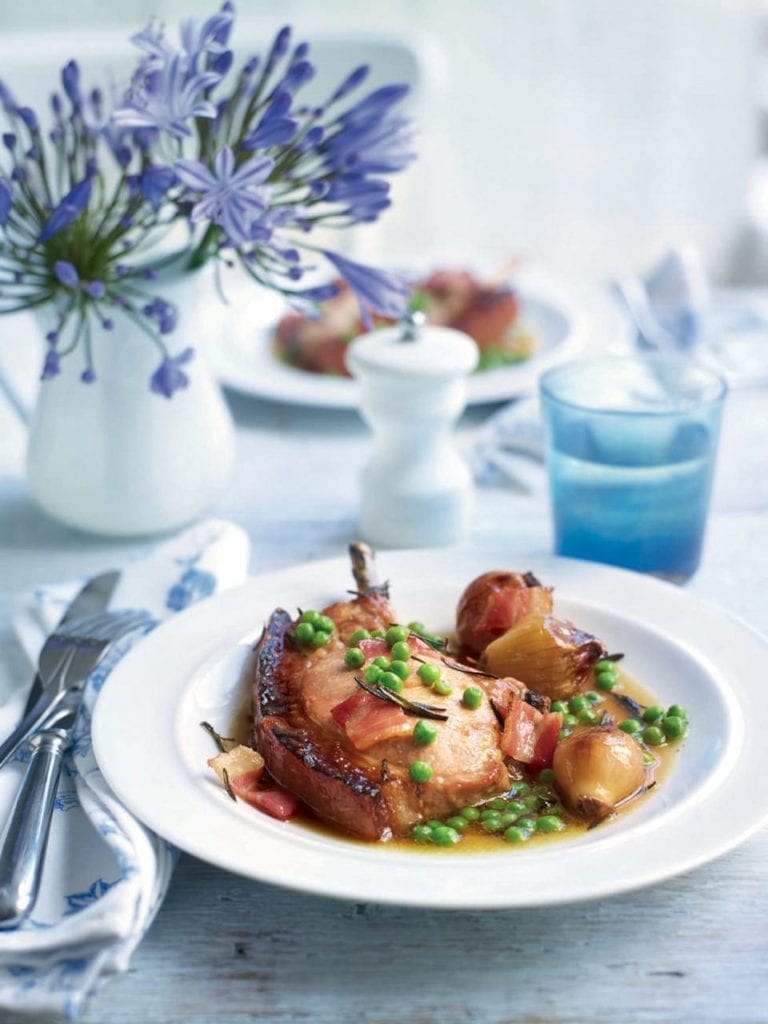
(132, 716)
(244, 363)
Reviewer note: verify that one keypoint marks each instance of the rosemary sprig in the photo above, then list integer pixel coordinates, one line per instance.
(227, 784)
(469, 669)
(224, 743)
(410, 707)
(437, 643)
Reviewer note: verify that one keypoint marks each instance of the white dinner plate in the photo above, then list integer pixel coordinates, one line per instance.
(243, 358)
(152, 749)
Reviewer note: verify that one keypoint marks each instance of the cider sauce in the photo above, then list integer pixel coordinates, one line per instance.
(475, 841)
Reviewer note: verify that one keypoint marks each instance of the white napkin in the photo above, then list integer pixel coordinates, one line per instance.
(105, 874)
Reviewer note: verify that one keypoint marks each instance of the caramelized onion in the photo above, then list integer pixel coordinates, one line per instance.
(494, 602)
(597, 769)
(549, 655)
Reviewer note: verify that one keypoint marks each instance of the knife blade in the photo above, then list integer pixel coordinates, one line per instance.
(94, 597)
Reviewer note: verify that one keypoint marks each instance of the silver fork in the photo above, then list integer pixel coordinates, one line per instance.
(68, 652)
(78, 648)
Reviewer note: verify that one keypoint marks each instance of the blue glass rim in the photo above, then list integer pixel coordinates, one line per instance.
(556, 381)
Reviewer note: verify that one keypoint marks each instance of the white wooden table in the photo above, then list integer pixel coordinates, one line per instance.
(227, 950)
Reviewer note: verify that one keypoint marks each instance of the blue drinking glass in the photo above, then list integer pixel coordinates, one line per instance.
(631, 451)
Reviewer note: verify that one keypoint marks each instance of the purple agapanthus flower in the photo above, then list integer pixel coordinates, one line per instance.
(169, 376)
(52, 365)
(351, 82)
(6, 201)
(154, 184)
(375, 290)
(94, 289)
(376, 144)
(168, 98)
(209, 37)
(233, 198)
(70, 80)
(164, 313)
(276, 127)
(68, 210)
(66, 273)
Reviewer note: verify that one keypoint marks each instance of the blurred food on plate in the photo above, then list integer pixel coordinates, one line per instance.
(488, 311)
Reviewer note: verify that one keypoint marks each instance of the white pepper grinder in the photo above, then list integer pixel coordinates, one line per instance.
(416, 490)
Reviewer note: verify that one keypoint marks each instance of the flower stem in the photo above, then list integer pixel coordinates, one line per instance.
(205, 248)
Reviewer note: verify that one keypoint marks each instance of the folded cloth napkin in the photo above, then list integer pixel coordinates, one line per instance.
(105, 874)
(670, 307)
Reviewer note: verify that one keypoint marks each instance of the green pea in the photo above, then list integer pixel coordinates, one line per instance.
(377, 634)
(569, 719)
(421, 833)
(498, 804)
(605, 665)
(488, 814)
(516, 807)
(653, 713)
(325, 623)
(674, 727)
(520, 789)
(434, 823)
(457, 822)
(515, 834)
(529, 824)
(357, 636)
(395, 634)
(429, 673)
(606, 682)
(546, 775)
(675, 711)
(310, 616)
(416, 627)
(587, 716)
(320, 639)
(509, 818)
(382, 662)
(304, 633)
(472, 697)
(390, 681)
(442, 687)
(564, 733)
(373, 673)
(445, 836)
(492, 823)
(561, 706)
(550, 823)
(424, 732)
(470, 813)
(631, 726)
(578, 703)
(420, 771)
(592, 697)
(354, 657)
(653, 736)
(401, 651)
(400, 669)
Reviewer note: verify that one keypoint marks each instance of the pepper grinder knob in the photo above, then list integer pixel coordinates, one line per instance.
(416, 490)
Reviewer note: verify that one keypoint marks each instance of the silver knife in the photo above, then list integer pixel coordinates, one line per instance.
(94, 597)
